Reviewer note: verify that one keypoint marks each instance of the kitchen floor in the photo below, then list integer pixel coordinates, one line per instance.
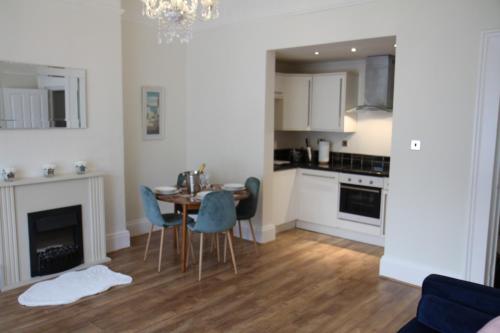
(302, 282)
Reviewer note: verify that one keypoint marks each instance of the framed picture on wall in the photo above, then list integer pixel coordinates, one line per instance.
(153, 113)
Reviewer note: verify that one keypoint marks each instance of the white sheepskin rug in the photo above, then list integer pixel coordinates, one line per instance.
(70, 287)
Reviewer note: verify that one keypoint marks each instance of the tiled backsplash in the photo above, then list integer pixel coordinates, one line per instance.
(341, 160)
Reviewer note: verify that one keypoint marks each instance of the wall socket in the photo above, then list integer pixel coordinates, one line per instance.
(344, 143)
(415, 145)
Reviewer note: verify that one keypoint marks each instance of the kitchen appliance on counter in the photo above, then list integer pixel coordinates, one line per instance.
(297, 155)
(324, 152)
(361, 199)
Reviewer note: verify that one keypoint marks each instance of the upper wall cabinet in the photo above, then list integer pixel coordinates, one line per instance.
(316, 102)
(294, 109)
(333, 95)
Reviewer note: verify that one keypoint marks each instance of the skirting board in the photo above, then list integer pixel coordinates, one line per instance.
(118, 240)
(352, 235)
(285, 226)
(264, 234)
(407, 272)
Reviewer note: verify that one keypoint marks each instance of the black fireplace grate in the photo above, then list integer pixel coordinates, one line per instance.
(58, 258)
(56, 240)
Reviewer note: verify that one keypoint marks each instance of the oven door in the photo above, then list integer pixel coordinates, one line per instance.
(360, 204)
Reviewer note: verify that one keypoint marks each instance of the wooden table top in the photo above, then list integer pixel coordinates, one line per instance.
(183, 198)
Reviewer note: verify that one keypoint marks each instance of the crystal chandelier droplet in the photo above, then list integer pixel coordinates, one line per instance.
(176, 17)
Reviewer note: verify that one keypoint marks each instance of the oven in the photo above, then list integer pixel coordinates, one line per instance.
(360, 199)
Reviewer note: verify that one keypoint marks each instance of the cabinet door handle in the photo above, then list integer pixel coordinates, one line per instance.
(318, 176)
(309, 103)
(340, 104)
(360, 189)
(385, 213)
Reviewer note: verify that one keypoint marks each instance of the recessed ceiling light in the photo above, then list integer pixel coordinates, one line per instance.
(395, 45)
(316, 52)
(353, 49)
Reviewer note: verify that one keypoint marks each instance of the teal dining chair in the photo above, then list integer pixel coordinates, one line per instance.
(247, 208)
(156, 218)
(217, 214)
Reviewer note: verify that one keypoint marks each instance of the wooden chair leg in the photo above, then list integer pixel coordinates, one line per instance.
(201, 257)
(232, 251)
(212, 244)
(176, 239)
(217, 245)
(147, 243)
(191, 248)
(225, 247)
(253, 235)
(239, 227)
(189, 252)
(161, 249)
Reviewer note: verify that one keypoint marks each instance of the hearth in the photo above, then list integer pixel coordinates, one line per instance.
(56, 242)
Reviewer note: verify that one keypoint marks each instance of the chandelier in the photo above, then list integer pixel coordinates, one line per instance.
(176, 17)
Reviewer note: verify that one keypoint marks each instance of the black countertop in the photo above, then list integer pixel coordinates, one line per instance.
(332, 168)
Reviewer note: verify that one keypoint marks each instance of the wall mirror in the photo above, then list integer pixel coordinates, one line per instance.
(35, 96)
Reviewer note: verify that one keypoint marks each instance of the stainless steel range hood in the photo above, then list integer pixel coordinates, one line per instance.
(379, 83)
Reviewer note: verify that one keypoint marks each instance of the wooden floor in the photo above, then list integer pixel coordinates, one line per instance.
(303, 282)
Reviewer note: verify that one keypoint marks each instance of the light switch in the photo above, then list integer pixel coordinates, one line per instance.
(415, 145)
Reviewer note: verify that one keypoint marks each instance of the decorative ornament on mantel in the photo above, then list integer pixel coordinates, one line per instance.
(176, 17)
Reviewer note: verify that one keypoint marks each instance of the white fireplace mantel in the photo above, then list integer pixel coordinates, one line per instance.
(20, 197)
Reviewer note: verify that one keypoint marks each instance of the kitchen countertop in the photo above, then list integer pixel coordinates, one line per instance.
(331, 167)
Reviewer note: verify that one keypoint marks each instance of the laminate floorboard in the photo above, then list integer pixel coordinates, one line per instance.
(302, 282)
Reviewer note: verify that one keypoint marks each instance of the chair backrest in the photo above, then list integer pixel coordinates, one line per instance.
(217, 213)
(248, 207)
(151, 208)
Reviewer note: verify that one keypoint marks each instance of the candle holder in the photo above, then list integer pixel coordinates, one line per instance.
(49, 170)
(8, 174)
(80, 167)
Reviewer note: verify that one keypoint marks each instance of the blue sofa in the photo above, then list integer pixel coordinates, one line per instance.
(449, 305)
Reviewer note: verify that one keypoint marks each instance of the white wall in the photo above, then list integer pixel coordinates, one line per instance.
(146, 63)
(372, 137)
(72, 34)
(436, 72)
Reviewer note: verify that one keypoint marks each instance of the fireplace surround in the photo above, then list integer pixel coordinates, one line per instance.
(24, 196)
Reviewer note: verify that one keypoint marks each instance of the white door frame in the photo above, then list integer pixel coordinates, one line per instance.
(482, 209)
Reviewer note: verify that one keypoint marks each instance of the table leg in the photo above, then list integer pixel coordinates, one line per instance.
(184, 238)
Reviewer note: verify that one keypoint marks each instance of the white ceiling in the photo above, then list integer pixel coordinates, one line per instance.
(339, 51)
(238, 11)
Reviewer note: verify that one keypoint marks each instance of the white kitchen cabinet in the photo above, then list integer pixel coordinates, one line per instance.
(316, 102)
(279, 82)
(333, 94)
(317, 195)
(284, 198)
(294, 113)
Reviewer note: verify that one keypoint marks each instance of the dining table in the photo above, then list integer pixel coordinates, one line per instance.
(191, 202)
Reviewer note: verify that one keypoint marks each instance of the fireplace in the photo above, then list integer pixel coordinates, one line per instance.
(55, 238)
